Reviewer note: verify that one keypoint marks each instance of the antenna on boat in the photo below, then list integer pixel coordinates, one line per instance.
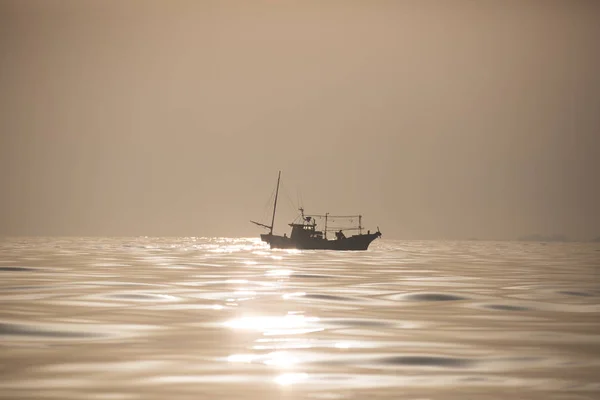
(275, 205)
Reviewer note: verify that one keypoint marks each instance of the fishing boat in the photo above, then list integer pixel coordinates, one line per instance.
(305, 234)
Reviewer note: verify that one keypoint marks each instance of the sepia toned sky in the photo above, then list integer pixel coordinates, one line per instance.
(434, 119)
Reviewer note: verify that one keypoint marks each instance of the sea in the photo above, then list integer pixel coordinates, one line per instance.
(228, 318)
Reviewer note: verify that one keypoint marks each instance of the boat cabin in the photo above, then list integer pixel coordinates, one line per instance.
(305, 231)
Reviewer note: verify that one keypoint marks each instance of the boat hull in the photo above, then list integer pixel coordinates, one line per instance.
(356, 242)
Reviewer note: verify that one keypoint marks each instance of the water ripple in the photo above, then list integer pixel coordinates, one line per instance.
(229, 318)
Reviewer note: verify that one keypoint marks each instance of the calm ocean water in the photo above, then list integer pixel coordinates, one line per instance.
(218, 318)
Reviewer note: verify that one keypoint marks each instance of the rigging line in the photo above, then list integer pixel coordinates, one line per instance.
(332, 216)
(287, 196)
(301, 202)
(268, 206)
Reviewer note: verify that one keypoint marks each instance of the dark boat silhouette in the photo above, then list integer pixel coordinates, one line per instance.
(305, 235)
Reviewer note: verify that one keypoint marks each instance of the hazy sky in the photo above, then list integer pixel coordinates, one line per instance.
(434, 119)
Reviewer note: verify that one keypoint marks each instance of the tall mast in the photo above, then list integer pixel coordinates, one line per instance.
(275, 205)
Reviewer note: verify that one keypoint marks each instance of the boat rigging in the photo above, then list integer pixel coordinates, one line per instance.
(305, 235)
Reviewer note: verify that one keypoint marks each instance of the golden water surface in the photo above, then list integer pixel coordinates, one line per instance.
(218, 318)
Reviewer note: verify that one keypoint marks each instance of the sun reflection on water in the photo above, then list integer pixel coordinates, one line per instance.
(290, 324)
(291, 378)
(281, 359)
(167, 317)
(278, 359)
(279, 272)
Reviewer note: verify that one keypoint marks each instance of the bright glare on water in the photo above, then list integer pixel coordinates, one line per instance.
(218, 318)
